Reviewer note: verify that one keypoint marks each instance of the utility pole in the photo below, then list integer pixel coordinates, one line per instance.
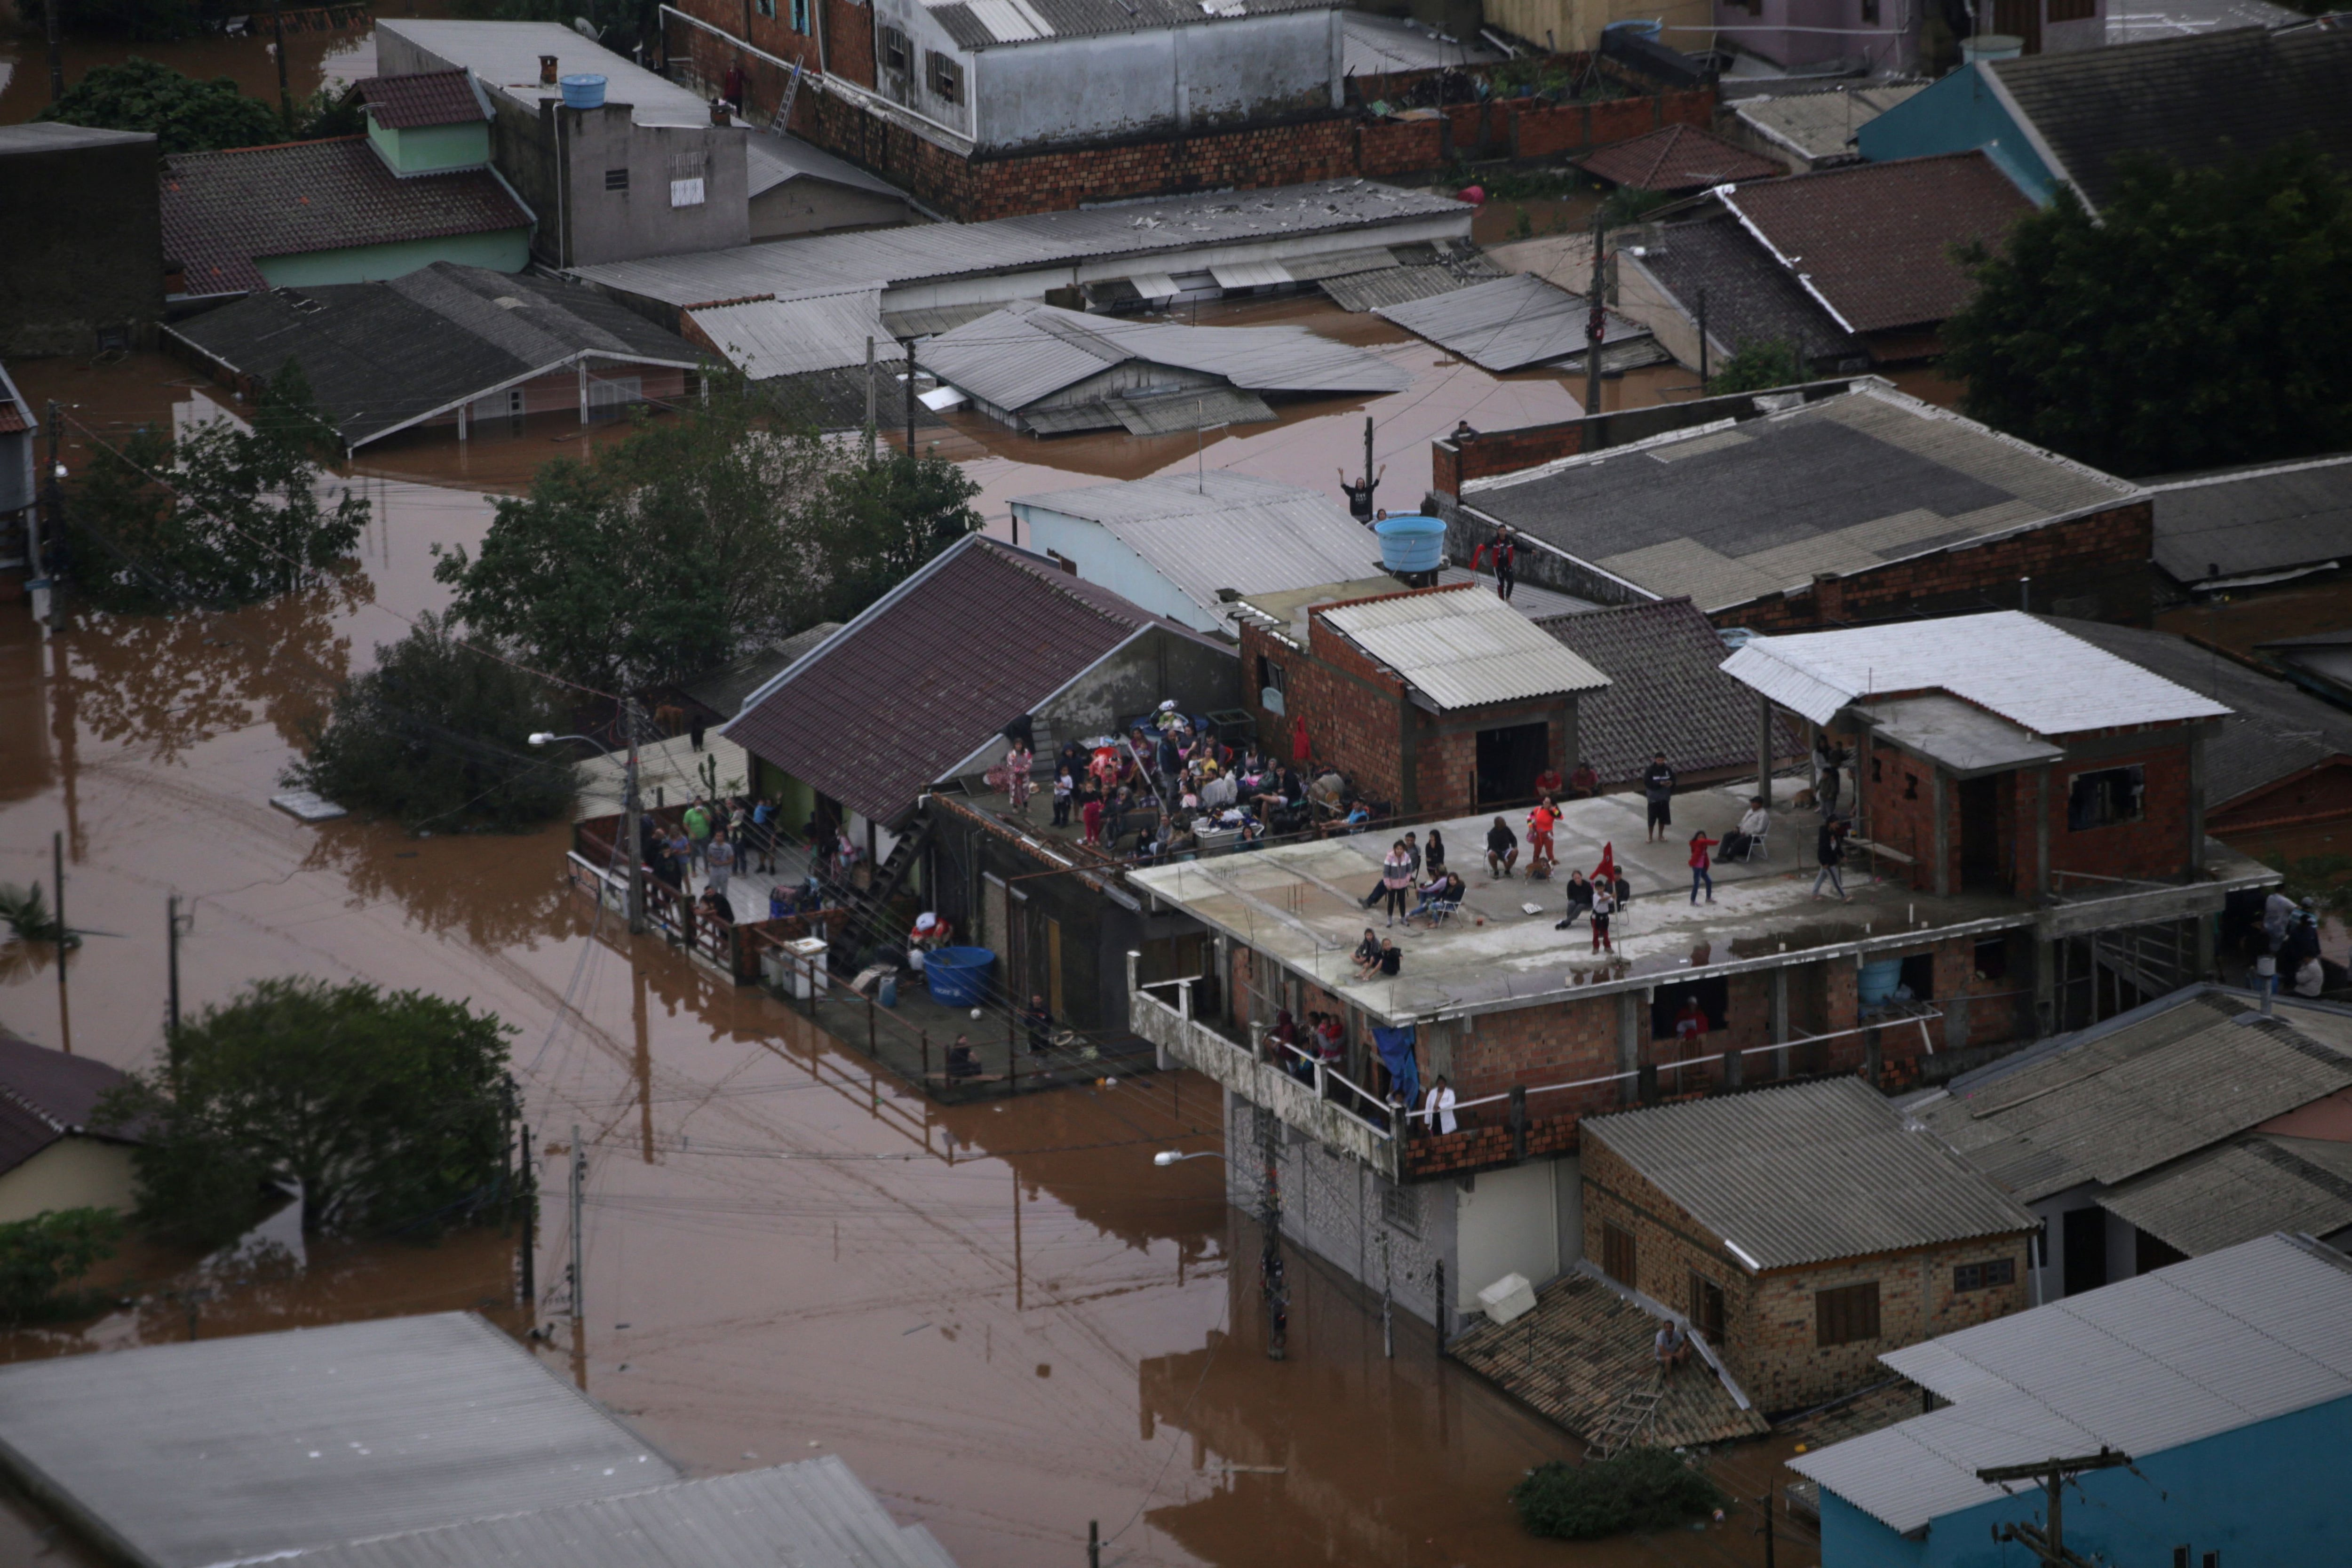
(2049, 1544)
(1596, 324)
(869, 401)
(579, 1182)
(1269, 1263)
(1702, 342)
(54, 489)
(285, 97)
(56, 92)
(529, 1226)
(65, 936)
(908, 344)
(1765, 1503)
(1388, 1313)
(176, 924)
(633, 819)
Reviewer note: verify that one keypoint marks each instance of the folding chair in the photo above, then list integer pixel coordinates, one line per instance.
(1756, 846)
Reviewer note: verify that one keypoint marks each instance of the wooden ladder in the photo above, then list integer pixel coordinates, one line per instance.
(1627, 1421)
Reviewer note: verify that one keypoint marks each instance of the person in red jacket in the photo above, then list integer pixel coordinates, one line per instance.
(1701, 877)
(1541, 822)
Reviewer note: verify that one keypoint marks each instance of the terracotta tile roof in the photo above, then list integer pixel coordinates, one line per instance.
(420, 99)
(44, 1096)
(1667, 692)
(920, 680)
(12, 418)
(223, 210)
(1876, 240)
(1678, 158)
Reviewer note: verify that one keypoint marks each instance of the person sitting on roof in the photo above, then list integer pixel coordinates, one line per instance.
(962, 1060)
(930, 932)
(1672, 1347)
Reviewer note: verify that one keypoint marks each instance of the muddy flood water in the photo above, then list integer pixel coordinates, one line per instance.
(1004, 1316)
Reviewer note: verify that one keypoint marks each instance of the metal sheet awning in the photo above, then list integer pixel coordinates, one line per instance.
(1251, 275)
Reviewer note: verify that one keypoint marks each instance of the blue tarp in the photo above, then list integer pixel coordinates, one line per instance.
(1395, 1046)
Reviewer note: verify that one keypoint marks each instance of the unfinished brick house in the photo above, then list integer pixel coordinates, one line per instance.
(2028, 856)
(1802, 1231)
(1430, 699)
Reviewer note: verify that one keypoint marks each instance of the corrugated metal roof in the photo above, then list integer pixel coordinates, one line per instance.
(1288, 216)
(770, 159)
(813, 1514)
(1209, 409)
(229, 1449)
(2211, 1345)
(764, 338)
(2245, 1188)
(2109, 1103)
(1965, 739)
(2250, 521)
(1229, 530)
(1819, 123)
(1463, 648)
(2006, 662)
(1509, 323)
(1809, 1173)
(1028, 351)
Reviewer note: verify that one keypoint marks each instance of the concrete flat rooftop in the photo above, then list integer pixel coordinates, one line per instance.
(1301, 905)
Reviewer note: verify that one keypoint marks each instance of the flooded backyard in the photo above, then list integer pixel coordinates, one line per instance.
(1002, 1315)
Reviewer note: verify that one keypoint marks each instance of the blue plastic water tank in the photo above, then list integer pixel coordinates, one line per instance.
(1877, 981)
(1411, 542)
(583, 92)
(958, 976)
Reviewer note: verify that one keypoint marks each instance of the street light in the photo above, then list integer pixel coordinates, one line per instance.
(1269, 1259)
(632, 819)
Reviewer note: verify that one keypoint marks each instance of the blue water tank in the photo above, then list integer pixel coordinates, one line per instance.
(583, 92)
(1410, 544)
(1877, 982)
(1649, 30)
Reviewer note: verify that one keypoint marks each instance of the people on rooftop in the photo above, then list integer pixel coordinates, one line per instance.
(1540, 822)
(1658, 790)
(1502, 848)
(1701, 875)
(1753, 824)
(1830, 850)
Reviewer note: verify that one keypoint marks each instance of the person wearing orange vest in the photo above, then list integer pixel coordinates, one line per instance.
(1541, 822)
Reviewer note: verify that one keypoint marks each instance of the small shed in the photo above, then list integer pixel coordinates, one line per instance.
(53, 1152)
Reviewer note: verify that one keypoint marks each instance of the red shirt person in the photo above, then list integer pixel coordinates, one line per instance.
(1701, 877)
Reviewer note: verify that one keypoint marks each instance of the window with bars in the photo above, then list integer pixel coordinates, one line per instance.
(1401, 1207)
(1846, 1315)
(946, 79)
(687, 187)
(616, 179)
(1984, 1276)
(1617, 1259)
(897, 51)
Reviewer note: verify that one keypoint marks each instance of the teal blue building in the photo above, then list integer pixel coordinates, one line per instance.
(2226, 1380)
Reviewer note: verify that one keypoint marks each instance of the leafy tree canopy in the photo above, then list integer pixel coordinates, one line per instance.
(40, 1257)
(664, 553)
(387, 1107)
(1640, 1488)
(219, 516)
(1757, 367)
(437, 734)
(185, 115)
(2198, 322)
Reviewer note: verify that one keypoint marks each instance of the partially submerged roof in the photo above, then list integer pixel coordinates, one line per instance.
(2151, 1363)
(993, 23)
(2274, 729)
(224, 211)
(504, 57)
(1463, 648)
(1509, 323)
(1286, 612)
(1807, 1174)
(1667, 691)
(2146, 1087)
(1029, 351)
(2247, 1187)
(2006, 663)
(770, 337)
(2194, 102)
(2248, 524)
(1676, 158)
(816, 1513)
(1235, 531)
(1735, 511)
(420, 98)
(46, 1096)
(380, 357)
(893, 701)
(1818, 125)
(1085, 245)
(35, 137)
(180, 1456)
(1874, 242)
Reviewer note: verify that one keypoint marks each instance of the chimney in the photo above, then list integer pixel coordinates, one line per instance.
(546, 71)
(718, 115)
(1829, 597)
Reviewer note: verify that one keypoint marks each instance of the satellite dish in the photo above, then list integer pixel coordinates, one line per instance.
(586, 28)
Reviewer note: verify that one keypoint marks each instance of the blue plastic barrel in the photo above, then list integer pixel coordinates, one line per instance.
(1877, 982)
(1410, 544)
(583, 92)
(958, 976)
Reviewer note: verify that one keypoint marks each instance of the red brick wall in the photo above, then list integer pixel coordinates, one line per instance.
(849, 41)
(1769, 1331)
(1559, 1042)
(1400, 146)
(1900, 799)
(1352, 707)
(2155, 847)
(2323, 794)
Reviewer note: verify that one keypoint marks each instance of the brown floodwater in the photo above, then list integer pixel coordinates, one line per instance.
(1004, 1316)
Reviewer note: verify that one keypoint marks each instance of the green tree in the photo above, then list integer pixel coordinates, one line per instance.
(220, 516)
(2199, 321)
(186, 115)
(1640, 1488)
(437, 734)
(386, 1107)
(885, 522)
(40, 1257)
(664, 553)
(1758, 367)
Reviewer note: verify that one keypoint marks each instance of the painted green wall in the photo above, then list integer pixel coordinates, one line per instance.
(500, 250)
(430, 148)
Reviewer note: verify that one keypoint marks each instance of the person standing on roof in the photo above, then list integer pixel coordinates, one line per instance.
(1604, 904)
(1541, 822)
(1701, 877)
(1830, 849)
(1359, 497)
(1658, 789)
(1504, 549)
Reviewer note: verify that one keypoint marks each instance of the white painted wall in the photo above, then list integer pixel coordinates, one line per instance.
(1102, 558)
(1507, 1222)
(70, 1173)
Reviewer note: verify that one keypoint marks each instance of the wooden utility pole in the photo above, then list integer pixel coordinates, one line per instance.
(1596, 324)
(908, 344)
(869, 402)
(57, 90)
(2048, 1543)
(285, 96)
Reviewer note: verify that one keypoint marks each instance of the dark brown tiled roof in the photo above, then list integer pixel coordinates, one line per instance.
(12, 418)
(222, 210)
(1667, 691)
(421, 99)
(919, 682)
(1876, 239)
(44, 1096)
(1678, 158)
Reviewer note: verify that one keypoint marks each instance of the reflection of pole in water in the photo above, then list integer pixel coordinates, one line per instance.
(58, 862)
(1019, 1287)
(579, 1354)
(645, 1061)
